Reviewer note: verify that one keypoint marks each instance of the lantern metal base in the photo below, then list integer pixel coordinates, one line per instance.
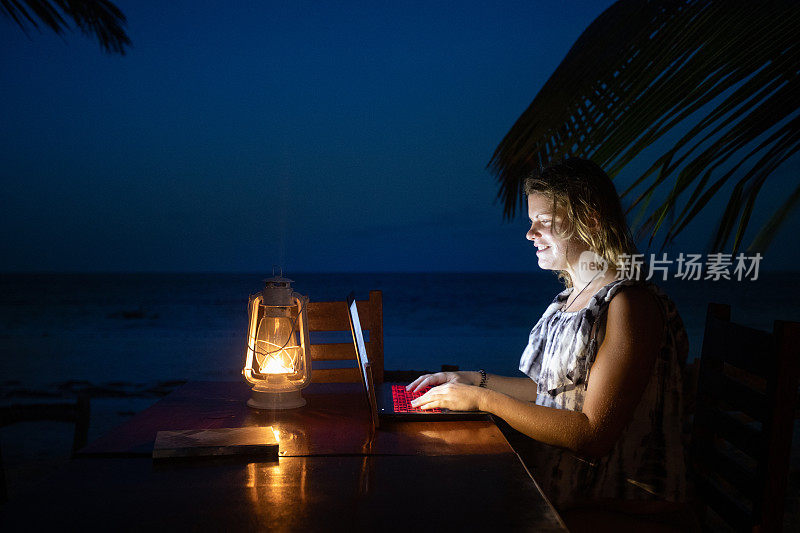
(275, 400)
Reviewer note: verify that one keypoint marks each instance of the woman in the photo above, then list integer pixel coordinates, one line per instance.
(603, 364)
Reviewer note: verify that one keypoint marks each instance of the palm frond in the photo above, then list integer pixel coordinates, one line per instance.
(722, 74)
(100, 18)
(762, 240)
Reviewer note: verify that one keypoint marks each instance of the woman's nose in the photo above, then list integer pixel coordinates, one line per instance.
(532, 233)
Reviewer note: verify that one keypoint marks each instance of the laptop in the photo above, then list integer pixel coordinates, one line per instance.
(391, 400)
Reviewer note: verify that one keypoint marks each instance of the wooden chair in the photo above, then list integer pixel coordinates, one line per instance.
(742, 430)
(77, 413)
(332, 316)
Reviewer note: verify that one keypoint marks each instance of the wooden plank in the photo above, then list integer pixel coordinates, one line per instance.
(735, 396)
(737, 516)
(328, 316)
(332, 316)
(337, 351)
(744, 437)
(728, 469)
(335, 375)
(257, 441)
(746, 348)
(753, 381)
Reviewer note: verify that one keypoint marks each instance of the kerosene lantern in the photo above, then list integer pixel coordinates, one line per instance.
(277, 363)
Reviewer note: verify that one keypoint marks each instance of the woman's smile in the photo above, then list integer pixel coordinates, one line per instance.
(553, 251)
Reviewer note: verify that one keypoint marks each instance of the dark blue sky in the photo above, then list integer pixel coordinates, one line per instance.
(324, 138)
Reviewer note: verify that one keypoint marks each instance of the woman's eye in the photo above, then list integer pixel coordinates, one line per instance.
(546, 222)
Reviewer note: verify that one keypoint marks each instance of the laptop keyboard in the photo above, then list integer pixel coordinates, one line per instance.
(402, 400)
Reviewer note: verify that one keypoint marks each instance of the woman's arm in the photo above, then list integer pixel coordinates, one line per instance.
(520, 388)
(617, 380)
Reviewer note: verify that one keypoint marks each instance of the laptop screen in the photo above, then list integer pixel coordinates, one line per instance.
(363, 359)
(358, 336)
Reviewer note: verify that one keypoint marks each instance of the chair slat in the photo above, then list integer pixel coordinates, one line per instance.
(732, 471)
(746, 348)
(338, 351)
(739, 517)
(332, 316)
(335, 375)
(736, 396)
(744, 437)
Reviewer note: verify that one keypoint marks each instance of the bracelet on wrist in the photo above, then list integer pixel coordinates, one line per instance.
(482, 384)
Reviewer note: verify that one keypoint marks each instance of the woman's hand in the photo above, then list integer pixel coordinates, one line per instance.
(454, 396)
(440, 378)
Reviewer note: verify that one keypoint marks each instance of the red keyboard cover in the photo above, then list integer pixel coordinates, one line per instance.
(402, 400)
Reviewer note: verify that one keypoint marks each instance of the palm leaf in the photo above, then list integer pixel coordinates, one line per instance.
(723, 75)
(762, 240)
(100, 18)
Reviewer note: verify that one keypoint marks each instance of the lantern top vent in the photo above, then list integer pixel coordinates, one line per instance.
(278, 291)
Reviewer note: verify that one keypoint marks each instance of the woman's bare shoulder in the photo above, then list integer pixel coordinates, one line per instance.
(636, 303)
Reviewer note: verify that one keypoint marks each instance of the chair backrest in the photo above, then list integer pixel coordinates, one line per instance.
(77, 412)
(742, 431)
(332, 317)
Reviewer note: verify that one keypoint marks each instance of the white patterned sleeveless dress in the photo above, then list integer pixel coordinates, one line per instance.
(647, 462)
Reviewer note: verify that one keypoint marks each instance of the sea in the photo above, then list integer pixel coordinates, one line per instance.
(129, 338)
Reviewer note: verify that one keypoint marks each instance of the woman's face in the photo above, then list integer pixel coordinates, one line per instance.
(552, 251)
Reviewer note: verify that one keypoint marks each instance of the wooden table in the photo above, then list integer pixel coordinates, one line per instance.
(333, 472)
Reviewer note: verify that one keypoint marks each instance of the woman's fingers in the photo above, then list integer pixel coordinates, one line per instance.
(413, 385)
(431, 399)
(425, 401)
(430, 405)
(422, 382)
(428, 380)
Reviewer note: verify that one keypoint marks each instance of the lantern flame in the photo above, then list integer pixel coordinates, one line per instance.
(272, 364)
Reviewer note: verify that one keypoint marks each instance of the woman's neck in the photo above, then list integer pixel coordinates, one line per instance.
(598, 280)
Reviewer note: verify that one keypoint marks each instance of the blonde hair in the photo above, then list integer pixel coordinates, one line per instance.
(587, 202)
